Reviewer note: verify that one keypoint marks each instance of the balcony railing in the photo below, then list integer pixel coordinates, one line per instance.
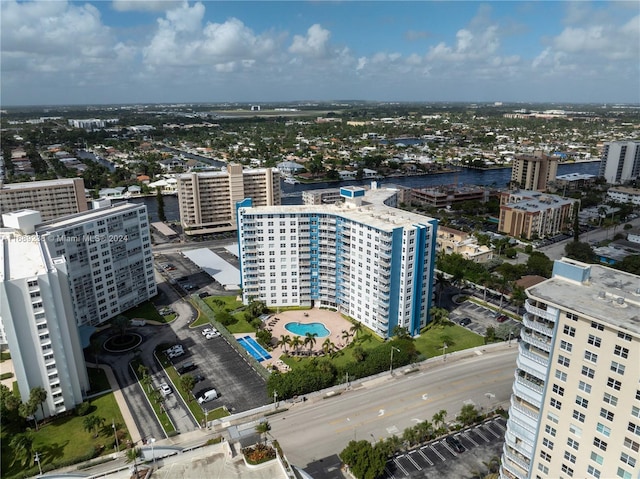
(542, 313)
(510, 471)
(539, 326)
(529, 384)
(516, 459)
(524, 410)
(534, 357)
(531, 339)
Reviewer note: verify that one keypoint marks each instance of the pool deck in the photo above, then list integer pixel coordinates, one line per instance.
(333, 321)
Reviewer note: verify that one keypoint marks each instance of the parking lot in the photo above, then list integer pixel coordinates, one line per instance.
(438, 459)
(481, 318)
(239, 386)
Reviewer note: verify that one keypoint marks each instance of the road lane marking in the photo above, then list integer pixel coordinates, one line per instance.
(381, 412)
(391, 476)
(400, 465)
(477, 428)
(468, 436)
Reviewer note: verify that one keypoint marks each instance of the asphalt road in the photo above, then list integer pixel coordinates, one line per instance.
(314, 431)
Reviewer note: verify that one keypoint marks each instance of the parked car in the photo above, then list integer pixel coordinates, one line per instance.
(165, 389)
(197, 378)
(204, 294)
(207, 396)
(502, 318)
(206, 331)
(186, 367)
(455, 444)
(465, 321)
(176, 354)
(212, 334)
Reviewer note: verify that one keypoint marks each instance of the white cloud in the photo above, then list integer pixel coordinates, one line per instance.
(144, 5)
(314, 44)
(469, 46)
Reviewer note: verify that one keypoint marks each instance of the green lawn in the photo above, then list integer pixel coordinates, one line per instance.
(430, 342)
(98, 380)
(64, 440)
(230, 303)
(148, 311)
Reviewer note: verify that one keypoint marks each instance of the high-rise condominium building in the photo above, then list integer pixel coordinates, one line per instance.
(620, 161)
(52, 198)
(575, 408)
(370, 261)
(59, 276)
(108, 252)
(533, 172)
(208, 200)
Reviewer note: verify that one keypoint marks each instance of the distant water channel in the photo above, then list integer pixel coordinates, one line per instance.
(292, 194)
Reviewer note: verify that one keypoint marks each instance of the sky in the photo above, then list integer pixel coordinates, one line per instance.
(151, 51)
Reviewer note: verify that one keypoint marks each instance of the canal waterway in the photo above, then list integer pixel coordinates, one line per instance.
(292, 194)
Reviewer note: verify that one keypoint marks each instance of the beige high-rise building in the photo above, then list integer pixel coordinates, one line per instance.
(533, 172)
(52, 198)
(208, 200)
(575, 407)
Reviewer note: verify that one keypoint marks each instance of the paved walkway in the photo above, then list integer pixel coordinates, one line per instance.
(7, 367)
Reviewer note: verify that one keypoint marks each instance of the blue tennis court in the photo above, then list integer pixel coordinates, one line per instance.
(252, 346)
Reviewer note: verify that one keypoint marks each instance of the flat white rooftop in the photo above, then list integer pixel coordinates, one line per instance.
(610, 296)
(20, 256)
(85, 216)
(38, 184)
(374, 214)
(216, 267)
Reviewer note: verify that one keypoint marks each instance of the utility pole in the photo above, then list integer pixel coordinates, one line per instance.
(391, 365)
(115, 433)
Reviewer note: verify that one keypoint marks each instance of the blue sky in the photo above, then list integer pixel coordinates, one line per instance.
(154, 51)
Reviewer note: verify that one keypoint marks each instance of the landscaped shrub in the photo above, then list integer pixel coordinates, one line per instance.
(259, 453)
(83, 409)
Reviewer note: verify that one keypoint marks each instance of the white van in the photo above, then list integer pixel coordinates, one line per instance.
(207, 396)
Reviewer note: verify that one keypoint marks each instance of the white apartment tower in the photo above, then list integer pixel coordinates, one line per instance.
(575, 407)
(620, 161)
(371, 262)
(39, 324)
(52, 198)
(208, 200)
(61, 276)
(109, 257)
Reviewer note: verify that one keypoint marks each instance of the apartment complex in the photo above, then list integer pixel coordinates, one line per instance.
(362, 257)
(321, 197)
(108, 252)
(208, 200)
(450, 241)
(533, 172)
(531, 214)
(52, 198)
(59, 277)
(620, 161)
(444, 196)
(575, 407)
(623, 194)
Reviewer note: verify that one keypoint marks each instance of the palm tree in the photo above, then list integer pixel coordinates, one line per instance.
(187, 383)
(503, 287)
(263, 429)
(518, 296)
(327, 346)
(602, 213)
(132, 456)
(310, 340)
(356, 328)
(284, 340)
(121, 324)
(92, 423)
(296, 342)
(345, 336)
(439, 419)
(145, 382)
(38, 395)
(143, 371)
(21, 446)
(441, 284)
(425, 430)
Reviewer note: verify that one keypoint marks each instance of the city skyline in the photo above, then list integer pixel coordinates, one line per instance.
(177, 51)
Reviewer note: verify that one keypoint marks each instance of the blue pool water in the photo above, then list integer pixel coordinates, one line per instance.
(303, 329)
(252, 346)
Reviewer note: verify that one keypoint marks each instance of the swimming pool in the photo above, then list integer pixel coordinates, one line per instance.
(252, 346)
(302, 329)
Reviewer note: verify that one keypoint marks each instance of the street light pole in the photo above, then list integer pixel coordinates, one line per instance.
(444, 351)
(153, 453)
(115, 433)
(391, 365)
(206, 417)
(37, 459)
(275, 399)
